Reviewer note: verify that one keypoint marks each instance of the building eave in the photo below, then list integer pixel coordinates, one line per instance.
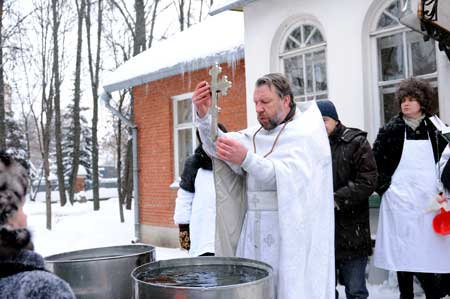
(221, 6)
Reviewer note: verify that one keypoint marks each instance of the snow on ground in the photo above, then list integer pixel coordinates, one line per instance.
(80, 227)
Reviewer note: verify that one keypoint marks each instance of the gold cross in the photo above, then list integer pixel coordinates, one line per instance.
(217, 87)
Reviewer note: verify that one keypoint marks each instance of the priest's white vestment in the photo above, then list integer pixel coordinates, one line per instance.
(279, 209)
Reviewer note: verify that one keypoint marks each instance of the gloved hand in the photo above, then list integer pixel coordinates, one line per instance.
(185, 240)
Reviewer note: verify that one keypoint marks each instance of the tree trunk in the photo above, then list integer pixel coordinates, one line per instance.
(128, 184)
(57, 100)
(2, 86)
(188, 15)
(46, 111)
(181, 14)
(201, 11)
(139, 41)
(94, 74)
(119, 159)
(152, 23)
(46, 128)
(76, 102)
(119, 171)
(48, 188)
(47, 108)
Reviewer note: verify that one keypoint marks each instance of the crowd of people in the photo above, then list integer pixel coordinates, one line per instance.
(292, 192)
(305, 180)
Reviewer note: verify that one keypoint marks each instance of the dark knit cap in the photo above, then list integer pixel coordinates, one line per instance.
(327, 108)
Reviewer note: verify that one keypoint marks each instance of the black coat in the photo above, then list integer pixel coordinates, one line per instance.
(354, 180)
(198, 160)
(388, 146)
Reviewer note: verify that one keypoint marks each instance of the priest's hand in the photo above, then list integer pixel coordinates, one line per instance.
(202, 98)
(230, 150)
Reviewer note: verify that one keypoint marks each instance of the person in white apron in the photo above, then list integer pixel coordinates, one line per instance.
(407, 150)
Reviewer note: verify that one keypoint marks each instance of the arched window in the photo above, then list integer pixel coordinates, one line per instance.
(401, 53)
(303, 60)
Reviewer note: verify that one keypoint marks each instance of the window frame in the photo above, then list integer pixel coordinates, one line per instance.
(372, 92)
(279, 54)
(176, 128)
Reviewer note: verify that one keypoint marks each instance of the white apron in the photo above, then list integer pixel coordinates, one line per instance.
(405, 238)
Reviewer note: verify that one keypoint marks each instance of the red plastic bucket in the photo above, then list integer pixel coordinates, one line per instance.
(441, 222)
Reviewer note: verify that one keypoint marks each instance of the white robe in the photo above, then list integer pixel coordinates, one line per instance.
(289, 222)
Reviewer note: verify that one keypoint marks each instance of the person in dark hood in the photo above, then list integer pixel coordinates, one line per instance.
(22, 272)
(354, 180)
(195, 209)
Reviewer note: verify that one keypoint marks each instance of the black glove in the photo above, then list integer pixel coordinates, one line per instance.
(185, 240)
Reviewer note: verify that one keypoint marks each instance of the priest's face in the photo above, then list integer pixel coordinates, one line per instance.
(270, 108)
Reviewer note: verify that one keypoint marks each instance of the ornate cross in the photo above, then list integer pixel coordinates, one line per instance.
(217, 87)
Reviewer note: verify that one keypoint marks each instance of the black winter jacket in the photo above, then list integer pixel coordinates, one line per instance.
(354, 180)
(388, 146)
(198, 160)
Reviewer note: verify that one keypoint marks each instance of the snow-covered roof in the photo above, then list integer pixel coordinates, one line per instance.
(217, 39)
(223, 5)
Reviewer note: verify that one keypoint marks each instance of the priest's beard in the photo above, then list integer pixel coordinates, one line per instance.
(272, 122)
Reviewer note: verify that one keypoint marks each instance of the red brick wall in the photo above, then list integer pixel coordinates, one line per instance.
(153, 116)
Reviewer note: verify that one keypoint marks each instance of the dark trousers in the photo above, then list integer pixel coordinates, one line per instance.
(445, 284)
(352, 274)
(428, 281)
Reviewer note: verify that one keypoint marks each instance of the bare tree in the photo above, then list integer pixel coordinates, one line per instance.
(154, 11)
(136, 28)
(94, 75)
(2, 84)
(184, 15)
(120, 40)
(43, 30)
(7, 31)
(76, 100)
(56, 18)
(140, 35)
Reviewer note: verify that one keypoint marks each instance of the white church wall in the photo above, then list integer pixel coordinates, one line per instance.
(351, 61)
(340, 23)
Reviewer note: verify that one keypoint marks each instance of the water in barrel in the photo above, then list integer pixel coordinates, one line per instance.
(202, 276)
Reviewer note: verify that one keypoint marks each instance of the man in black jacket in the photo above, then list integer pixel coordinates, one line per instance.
(354, 180)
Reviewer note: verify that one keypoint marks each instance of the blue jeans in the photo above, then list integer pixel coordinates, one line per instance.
(352, 274)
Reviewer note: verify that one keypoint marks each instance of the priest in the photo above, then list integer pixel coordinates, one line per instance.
(274, 189)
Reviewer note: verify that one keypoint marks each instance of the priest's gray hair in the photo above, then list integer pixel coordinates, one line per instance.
(281, 85)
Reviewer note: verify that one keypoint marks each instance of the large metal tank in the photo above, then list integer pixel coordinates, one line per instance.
(101, 273)
(204, 278)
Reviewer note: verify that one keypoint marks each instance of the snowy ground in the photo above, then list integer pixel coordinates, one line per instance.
(79, 227)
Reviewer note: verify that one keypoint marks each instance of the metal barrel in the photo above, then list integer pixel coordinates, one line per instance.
(145, 287)
(101, 273)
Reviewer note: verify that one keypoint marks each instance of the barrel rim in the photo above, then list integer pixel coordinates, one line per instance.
(53, 259)
(249, 262)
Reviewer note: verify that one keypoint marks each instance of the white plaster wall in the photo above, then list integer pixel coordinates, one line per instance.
(350, 71)
(341, 21)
